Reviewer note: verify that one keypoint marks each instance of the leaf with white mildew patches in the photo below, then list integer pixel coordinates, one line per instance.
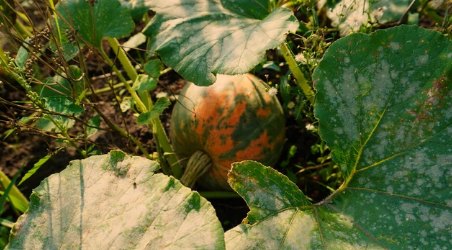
(116, 201)
(384, 104)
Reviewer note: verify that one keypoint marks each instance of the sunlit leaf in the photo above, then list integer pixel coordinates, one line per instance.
(116, 201)
(200, 39)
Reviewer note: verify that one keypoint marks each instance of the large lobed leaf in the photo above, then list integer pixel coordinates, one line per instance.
(116, 201)
(384, 108)
(200, 39)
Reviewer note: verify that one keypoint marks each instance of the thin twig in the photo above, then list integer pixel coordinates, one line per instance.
(445, 17)
(406, 12)
(313, 167)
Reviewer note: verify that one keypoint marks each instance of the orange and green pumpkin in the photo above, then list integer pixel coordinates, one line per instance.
(233, 120)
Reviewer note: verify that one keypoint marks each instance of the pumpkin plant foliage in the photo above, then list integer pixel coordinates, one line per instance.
(89, 24)
(384, 107)
(200, 39)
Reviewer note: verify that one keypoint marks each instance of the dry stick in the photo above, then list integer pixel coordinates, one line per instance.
(313, 167)
(406, 12)
(118, 85)
(114, 126)
(445, 17)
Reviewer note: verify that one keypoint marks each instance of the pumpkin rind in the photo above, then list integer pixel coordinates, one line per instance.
(234, 119)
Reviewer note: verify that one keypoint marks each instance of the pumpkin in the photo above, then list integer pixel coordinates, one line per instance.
(234, 119)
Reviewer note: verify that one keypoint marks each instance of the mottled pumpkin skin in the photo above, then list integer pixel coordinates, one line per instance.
(233, 120)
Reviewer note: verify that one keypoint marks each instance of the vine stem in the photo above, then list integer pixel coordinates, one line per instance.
(130, 70)
(141, 107)
(120, 85)
(145, 105)
(301, 80)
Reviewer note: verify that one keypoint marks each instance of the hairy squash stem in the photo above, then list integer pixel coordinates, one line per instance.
(301, 80)
(163, 164)
(198, 164)
(130, 70)
(147, 103)
(134, 95)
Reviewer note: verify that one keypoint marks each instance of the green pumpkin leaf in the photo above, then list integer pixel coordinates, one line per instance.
(153, 67)
(63, 105)
(134, 41)
(94, 124)
(384, 104)
(161, 104)
(144, 83)
(116, 201)
(22, 54)
(200, 39)
(63, 85)
(269, 185)
(105, 18)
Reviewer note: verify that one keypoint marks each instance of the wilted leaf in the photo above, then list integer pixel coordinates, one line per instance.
(127, 103)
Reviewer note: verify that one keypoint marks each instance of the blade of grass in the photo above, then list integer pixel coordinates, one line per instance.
(301, 80)
(10, 187)
(6, 223)
(38, 164)
(22, 201)
(17, 203)
(52, 5)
